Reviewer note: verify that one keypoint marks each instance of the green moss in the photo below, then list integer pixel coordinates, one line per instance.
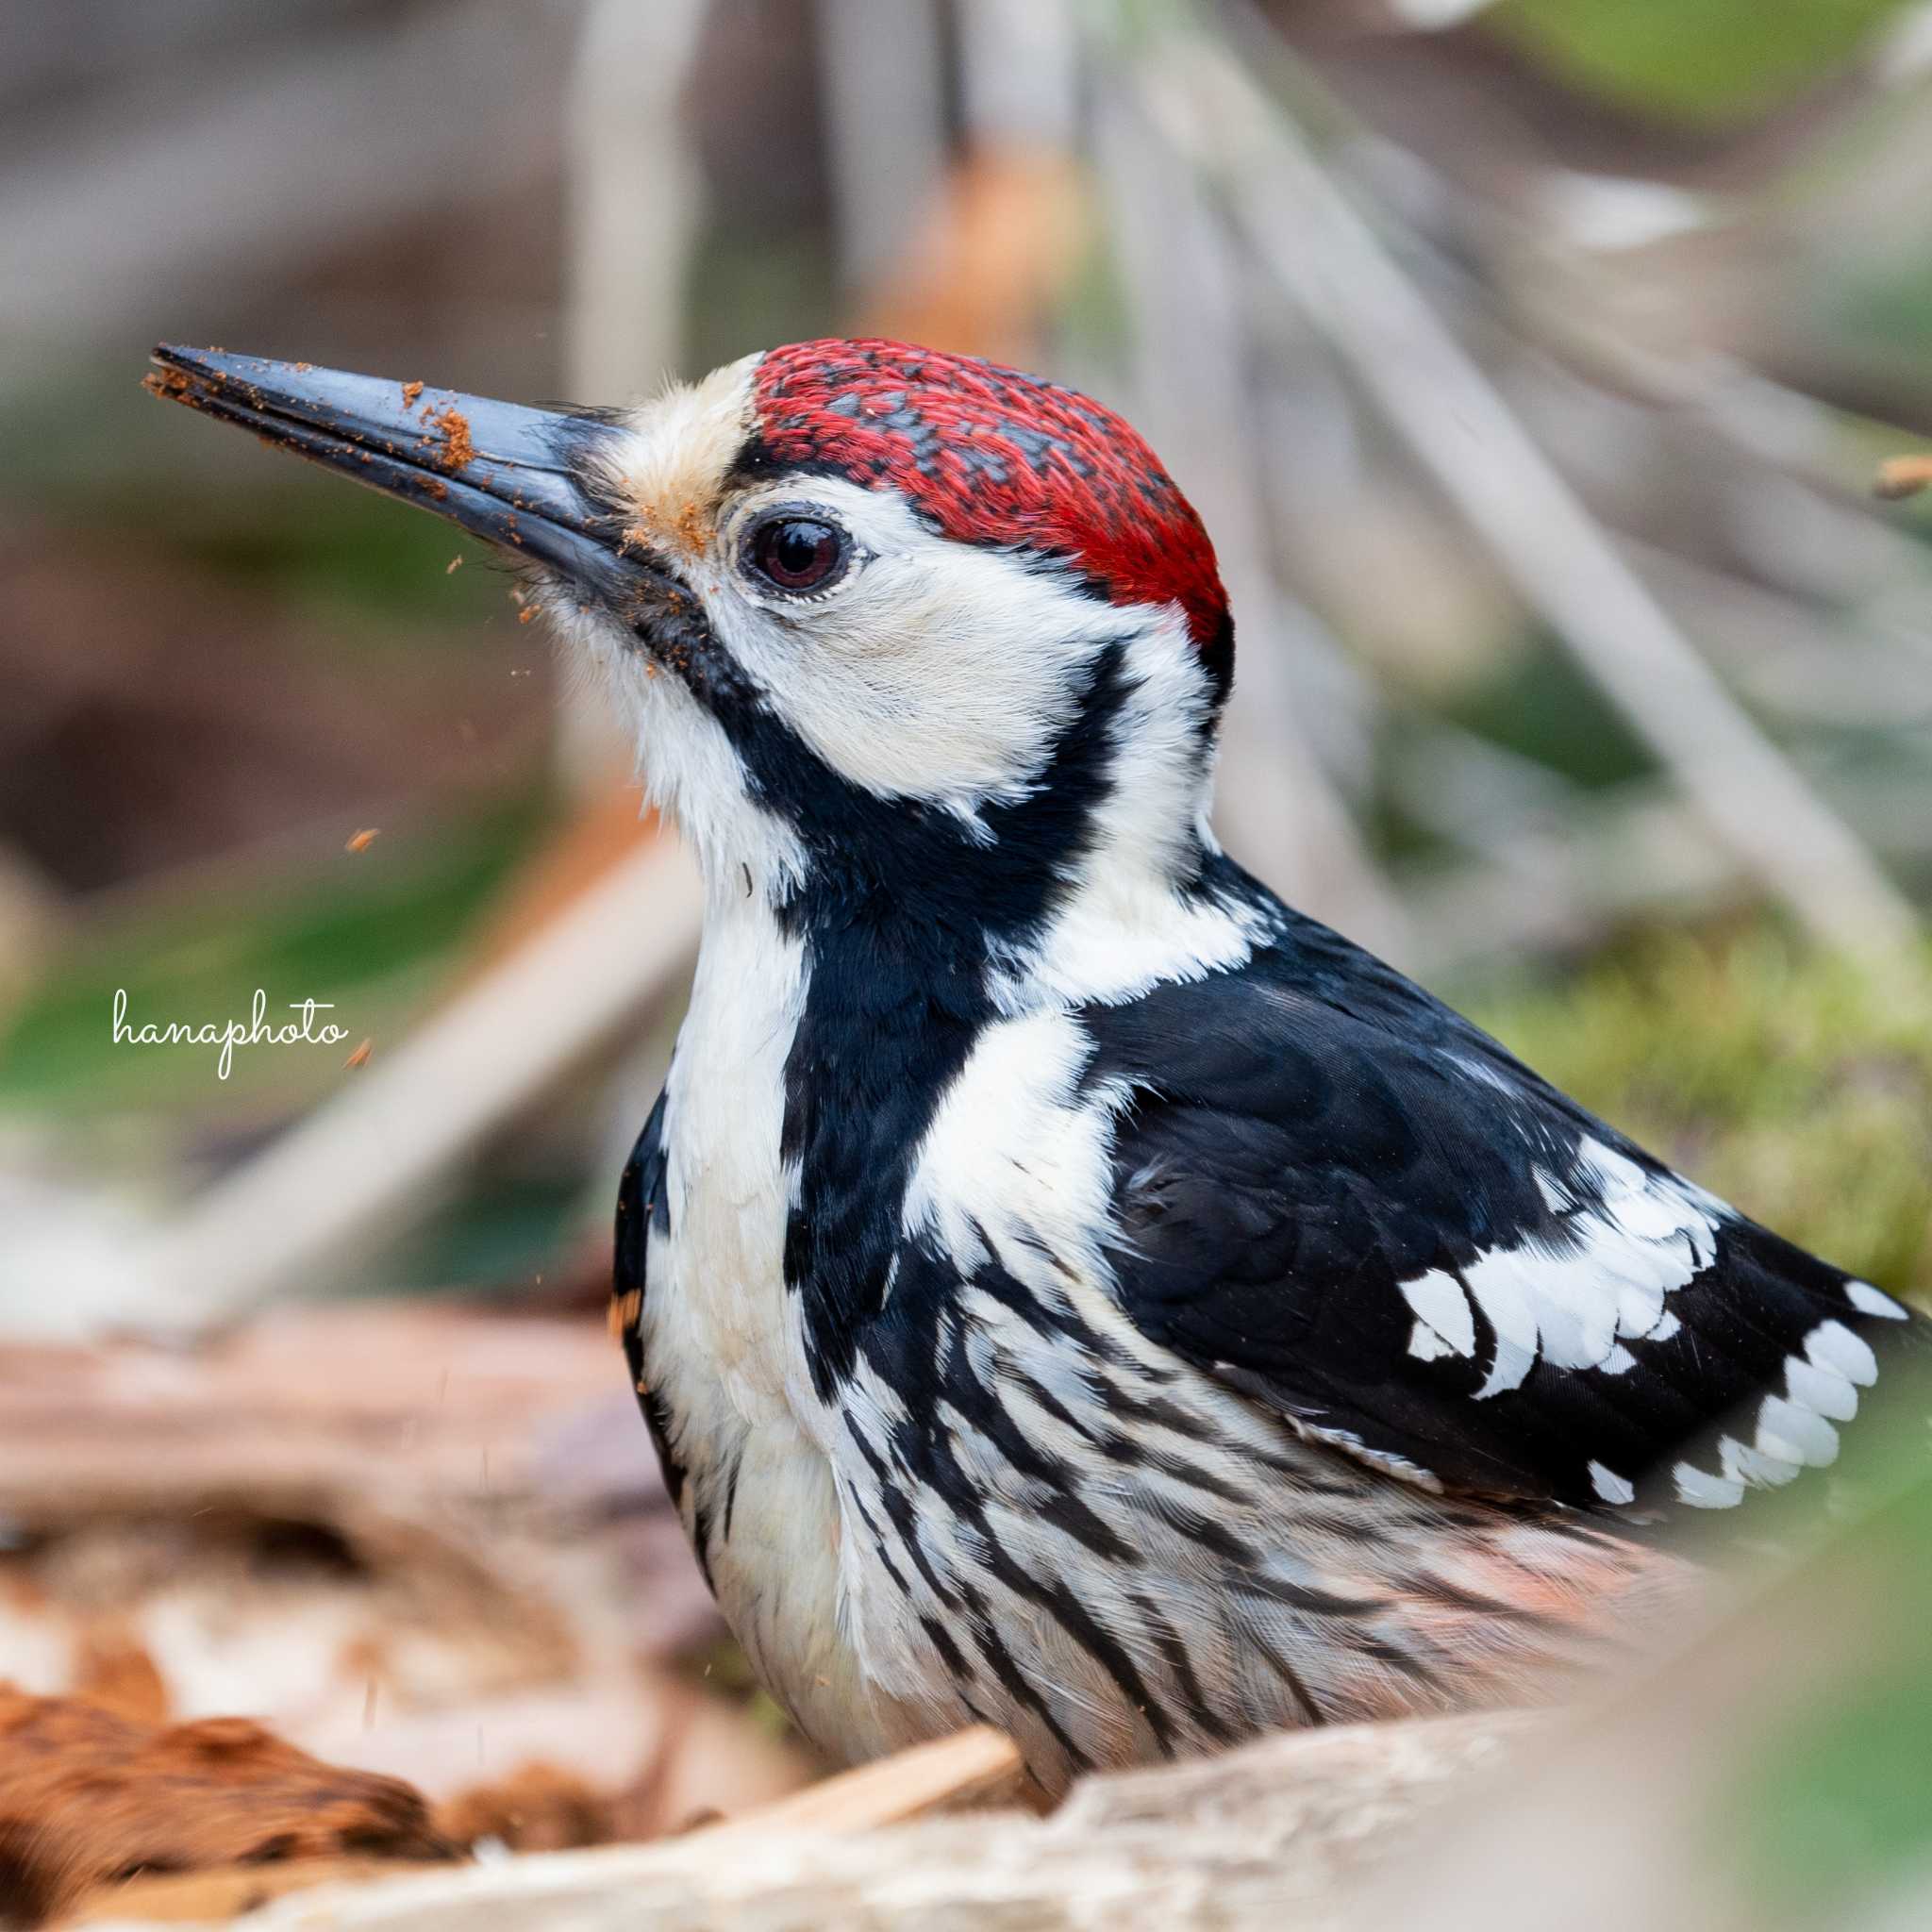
(1694, 61)
(1795, 1086)
(1824, 1812)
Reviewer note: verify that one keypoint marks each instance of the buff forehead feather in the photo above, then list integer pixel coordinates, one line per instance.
(671, 472)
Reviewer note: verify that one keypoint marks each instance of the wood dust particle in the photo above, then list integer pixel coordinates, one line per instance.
(361, 1056)
(625, 1310)
(525, 615)
(692, 528)
(455, 564)
(362, 840)
(458, 450)
(411, 392)
(1903, 477)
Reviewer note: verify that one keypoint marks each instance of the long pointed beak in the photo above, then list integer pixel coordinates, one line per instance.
(514, 477)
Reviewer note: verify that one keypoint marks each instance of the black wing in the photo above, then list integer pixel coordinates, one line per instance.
(1348, 1202)
(642, 1206)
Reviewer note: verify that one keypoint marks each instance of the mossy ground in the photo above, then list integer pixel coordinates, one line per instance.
(1797, 1086)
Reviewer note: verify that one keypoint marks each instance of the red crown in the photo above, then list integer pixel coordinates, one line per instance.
(990, 456)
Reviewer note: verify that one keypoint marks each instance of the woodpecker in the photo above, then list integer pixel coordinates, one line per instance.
(1069, 1287)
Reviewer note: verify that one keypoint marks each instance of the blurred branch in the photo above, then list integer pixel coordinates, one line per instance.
(1278, 807)
(632, 195)
(1460, 430)
(1563, 875)
(881, 66)
(136, 206)
(1019, 72)
(347, 1171)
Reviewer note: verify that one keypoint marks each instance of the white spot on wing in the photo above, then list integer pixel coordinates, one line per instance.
(1761, 1466)
(1824, 1391)
(1611, 1487)
(1444, 1324)
(1631, 1237)
(1797, 1434)
(1425, 1345)
(1703, 1491)
(1832, 1345)
(1794, 1430)
(1873, 1301)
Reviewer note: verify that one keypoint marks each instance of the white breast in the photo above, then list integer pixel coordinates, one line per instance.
(722, 1345)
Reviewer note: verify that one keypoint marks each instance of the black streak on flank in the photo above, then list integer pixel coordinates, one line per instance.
(643, 1204)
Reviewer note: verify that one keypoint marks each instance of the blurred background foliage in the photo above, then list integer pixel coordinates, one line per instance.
(1531, 363)
(1683, 240)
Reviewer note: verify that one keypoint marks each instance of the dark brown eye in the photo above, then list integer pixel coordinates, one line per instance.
(799, 553)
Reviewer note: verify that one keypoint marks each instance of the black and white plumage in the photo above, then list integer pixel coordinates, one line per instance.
(1066, 1285)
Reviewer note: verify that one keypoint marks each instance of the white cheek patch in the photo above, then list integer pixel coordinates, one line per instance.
(1630, 1240)
(936, 669)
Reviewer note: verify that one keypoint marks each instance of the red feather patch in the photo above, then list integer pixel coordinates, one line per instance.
(990, 456)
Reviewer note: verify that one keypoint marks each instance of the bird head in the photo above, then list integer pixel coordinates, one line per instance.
(888, 624)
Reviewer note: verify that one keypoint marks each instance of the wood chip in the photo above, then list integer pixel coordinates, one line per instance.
(362, 840)
(976, 1766)
(1903, 477)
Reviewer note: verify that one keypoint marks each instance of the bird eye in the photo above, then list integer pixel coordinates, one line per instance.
(797, 553)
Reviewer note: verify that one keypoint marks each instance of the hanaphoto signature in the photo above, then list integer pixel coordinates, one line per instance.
(257, 1029)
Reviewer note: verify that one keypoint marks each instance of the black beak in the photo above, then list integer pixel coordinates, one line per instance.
(516, 477)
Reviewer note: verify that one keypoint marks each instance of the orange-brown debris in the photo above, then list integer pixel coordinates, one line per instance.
(625, 1310)
(362, 840)
(361, 1056)
(87, 1796)
(527, 613)
(1903, 477)
(539, 1808)
(114, 1673)
(690, 529)
(458, 450)
(411, 392)
(455, 564)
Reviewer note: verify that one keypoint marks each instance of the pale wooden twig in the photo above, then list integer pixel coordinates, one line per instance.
(1459, 428)
(977, 1766)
